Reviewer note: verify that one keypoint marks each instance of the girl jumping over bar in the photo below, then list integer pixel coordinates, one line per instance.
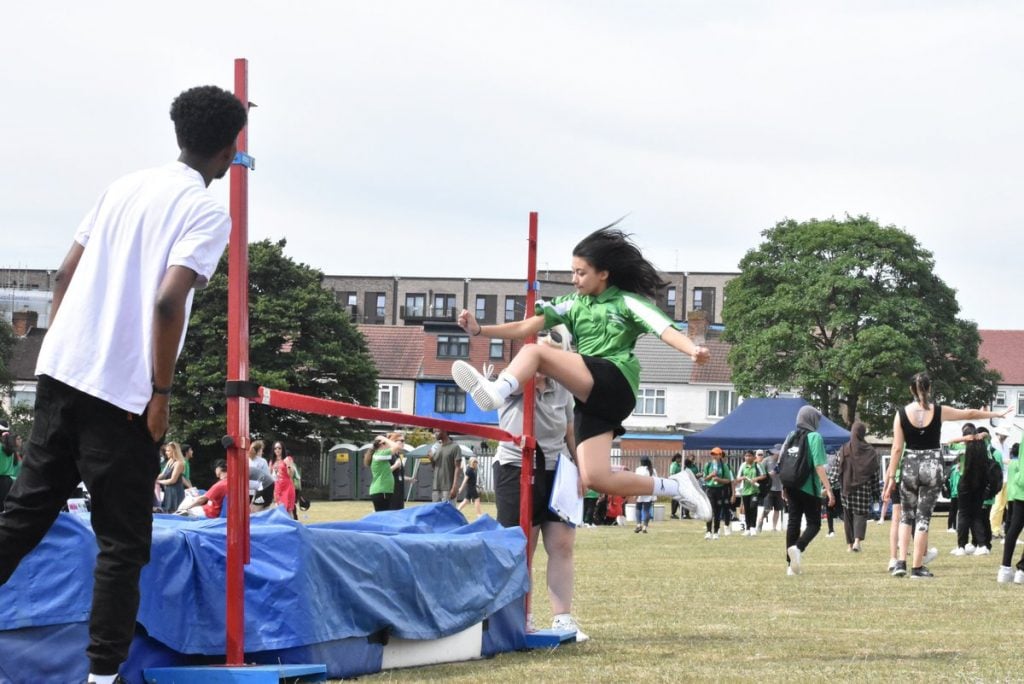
(608, 312)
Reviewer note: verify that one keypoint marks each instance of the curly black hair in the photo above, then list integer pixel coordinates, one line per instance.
(207, 119)
(610, 249)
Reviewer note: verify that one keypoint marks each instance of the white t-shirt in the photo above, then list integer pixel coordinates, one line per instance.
(101, 341)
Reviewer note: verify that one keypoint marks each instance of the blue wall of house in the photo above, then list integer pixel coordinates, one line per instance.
(425, 394)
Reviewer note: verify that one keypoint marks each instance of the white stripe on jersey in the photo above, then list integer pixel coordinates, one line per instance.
(645, 311)
(562, 308)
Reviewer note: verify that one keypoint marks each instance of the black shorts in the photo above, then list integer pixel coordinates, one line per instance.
(506, 494)
(265, 496)
(611, 401)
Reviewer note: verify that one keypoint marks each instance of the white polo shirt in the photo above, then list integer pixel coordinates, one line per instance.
(101, 341)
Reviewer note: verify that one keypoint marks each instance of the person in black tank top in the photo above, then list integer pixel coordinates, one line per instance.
(915, 451)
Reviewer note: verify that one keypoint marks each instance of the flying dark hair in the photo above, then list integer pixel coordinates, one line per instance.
(609, 249)
(207, 119)
(220, 463)
(921, 387)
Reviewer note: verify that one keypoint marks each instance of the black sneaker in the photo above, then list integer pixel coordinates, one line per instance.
(900, 569)
(921, 573)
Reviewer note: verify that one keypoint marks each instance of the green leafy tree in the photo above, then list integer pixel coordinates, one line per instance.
(846, 311)
(300, 340)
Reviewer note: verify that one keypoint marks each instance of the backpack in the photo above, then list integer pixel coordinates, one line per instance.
(795, 460)
(993, 478)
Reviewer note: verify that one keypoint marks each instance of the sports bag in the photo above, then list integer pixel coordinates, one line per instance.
(794, 460)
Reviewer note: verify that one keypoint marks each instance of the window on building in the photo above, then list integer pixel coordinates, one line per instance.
(1020, 403)
(485, 309)
(721, 403)
(415, 305)
(444, 305)
(497, 349)
(704, 300)
(1000, 398)
(449, 399)
(373, 307)
(388, 396)
(650, 402)
(480, 311)
(453, 346)
(515, 307)
(381, 305)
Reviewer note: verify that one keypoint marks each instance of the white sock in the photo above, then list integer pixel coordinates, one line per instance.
(506, 384)
(102, 679)
(664, 486)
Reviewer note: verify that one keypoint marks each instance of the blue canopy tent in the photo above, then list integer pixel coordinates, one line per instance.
(760, 424)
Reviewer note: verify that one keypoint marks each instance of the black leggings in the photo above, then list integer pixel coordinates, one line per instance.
(802, 505)
(969, 519)
(1015, 518)
(720, 502)
(750, 510)
(381, 502)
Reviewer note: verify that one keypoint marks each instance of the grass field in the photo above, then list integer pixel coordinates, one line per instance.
(669, 605)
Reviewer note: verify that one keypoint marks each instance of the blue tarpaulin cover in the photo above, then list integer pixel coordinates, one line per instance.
(421, 573)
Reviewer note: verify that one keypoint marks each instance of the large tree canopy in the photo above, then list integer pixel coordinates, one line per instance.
(846, 311)
(300, 340)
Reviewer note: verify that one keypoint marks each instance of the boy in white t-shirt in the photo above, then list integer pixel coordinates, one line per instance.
(118, 319)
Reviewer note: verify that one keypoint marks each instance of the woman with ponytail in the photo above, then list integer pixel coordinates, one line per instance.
(915, 436)
(606, 314)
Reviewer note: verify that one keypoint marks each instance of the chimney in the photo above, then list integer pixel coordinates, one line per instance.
(23, 321)
(697, 326)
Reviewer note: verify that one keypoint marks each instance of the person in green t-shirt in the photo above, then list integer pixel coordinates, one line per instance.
(609, 310)
(718, 479)
(1015, 512)
(805, 501)
(674, 467)
(379, 459)
(748, 480)
(8, 464)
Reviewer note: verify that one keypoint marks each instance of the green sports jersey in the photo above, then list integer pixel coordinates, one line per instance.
(607, 325)
(1014, 481)
(383, 479)
(750, 471)
(718, 469)
(816, 448)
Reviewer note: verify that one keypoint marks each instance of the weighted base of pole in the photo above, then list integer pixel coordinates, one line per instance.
(233, 674)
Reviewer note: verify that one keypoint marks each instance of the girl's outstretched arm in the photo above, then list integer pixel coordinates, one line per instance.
(681, 342)
(514, 330)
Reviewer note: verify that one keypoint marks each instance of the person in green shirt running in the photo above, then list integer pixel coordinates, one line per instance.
(606, 314)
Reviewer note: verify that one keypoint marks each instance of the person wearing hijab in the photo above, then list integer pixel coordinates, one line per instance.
(858, 477)
(805, 501)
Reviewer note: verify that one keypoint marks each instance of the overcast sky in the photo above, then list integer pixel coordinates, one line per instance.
(413, 138)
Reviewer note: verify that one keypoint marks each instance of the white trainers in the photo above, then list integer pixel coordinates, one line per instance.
(982, 551)
(714, 536)
(479, 388)
(1005, 575)
(951, 530)
(794, 559)
(789, 572)
(958, 551)
(831, 534)
(565, 623)
(691, 496)
(1018, 577)
(969, 549)
(753, 533)
(707, 535)
(930, 555)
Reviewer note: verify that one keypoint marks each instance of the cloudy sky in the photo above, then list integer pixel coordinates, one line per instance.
(413, 138)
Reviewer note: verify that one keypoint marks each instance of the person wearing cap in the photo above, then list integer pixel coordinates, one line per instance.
(718, 479)
(773, 499)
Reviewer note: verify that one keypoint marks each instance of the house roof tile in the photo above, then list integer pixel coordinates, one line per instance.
(1001, 349)
(397, 350)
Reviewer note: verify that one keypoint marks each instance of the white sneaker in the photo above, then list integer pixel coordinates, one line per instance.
(753, 533)
(831, 534)
(714, 536)
(1005, 575)
(794, 559)
(930, 555)
(691, 496)
(982, 551)
(1018, 577)
(951, 530)
(958, 551)
(707, 535)
(969, 549)
(565, 623)
(789, 572)
(476, 386)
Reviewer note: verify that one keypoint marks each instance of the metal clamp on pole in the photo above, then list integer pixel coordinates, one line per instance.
(243, 159)
(241, 388)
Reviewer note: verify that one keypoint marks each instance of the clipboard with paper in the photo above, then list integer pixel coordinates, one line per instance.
(566, 501)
